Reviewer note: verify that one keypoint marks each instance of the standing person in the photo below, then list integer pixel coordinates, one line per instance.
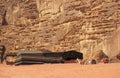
(4, 21)
(3, 49)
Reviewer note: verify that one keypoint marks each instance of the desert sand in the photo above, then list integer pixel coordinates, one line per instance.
(68, 70)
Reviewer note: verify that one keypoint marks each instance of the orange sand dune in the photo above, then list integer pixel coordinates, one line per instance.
(61, 71)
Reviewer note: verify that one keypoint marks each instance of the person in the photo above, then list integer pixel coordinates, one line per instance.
(3, 49)
(105, 60)
(4, 22)
(93, 61)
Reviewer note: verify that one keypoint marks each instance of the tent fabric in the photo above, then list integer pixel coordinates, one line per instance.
(41, 59)
(28, 62)
(46, 56)
(35, 57)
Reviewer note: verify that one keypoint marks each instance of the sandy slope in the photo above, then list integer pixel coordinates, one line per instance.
(61, 71)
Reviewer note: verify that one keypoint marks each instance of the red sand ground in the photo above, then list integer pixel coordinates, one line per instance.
(61, 71)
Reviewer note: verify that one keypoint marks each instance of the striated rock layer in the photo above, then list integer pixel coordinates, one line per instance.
(58, 25)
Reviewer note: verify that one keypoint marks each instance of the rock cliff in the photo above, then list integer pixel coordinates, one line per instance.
(58, 25)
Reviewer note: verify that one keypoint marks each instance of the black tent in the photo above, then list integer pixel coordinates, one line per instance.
(41, 57)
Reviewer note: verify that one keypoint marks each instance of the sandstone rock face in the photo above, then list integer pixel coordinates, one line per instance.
(112, 44)
(58, 25)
